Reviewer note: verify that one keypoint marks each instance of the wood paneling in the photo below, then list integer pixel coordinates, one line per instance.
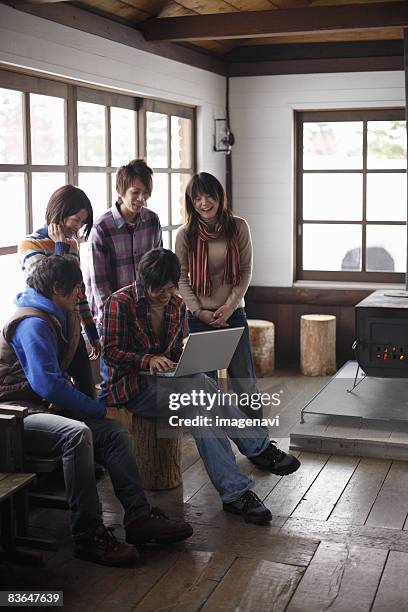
(285, 305)
(307, 51)
(315, 66)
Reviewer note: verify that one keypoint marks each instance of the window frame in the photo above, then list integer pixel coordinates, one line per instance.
(175, 110)
(364, 115)
(73, 92)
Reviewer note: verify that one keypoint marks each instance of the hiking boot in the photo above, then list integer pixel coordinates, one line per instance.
(156, 527)
(276, 461)
(250, 507)
(102, 547)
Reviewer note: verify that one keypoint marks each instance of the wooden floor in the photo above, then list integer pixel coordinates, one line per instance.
(338, 540)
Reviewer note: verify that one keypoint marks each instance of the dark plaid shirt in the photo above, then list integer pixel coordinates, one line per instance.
(129, 341)
(115, 250)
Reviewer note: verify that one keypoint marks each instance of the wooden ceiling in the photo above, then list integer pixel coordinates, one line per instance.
(144, 14)
(246, 37)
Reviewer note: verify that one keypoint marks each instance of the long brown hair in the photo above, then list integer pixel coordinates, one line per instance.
(204, 183)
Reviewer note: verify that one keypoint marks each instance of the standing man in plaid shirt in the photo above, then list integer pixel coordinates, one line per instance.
(120, 237)
(142, 330)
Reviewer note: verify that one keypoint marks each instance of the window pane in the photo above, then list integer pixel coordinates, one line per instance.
(91, 134)
(166, 240)
(11, 127)
(44, 184)
(179, 183)
(47, 115)
(13, 281)
(333, 197)
(12, 190)
(386, 197)
(83, 256)
(336, 145)
(94, 185)
(114, 195)
(386, 144)
(156, 140)
(386, 248)
(159, 201)
(181, 137)
(123, 136)
(332, 247)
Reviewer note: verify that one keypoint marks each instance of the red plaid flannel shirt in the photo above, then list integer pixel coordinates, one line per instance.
(129, 341)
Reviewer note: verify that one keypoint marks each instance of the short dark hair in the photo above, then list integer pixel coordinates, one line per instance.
(61, 271)
(67, 201)
(137, 168)
(157, 268)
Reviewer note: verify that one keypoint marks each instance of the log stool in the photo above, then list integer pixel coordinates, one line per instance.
(158, 458)
(317, 344)
(262, 337)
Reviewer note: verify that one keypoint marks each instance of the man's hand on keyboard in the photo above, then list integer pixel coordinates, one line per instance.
(160, 363)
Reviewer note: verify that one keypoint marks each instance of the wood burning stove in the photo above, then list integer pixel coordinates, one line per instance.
(381, 344)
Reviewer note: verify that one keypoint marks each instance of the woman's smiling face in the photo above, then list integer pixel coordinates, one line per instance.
(206, 206)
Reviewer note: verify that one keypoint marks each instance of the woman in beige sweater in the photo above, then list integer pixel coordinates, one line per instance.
(215, 252)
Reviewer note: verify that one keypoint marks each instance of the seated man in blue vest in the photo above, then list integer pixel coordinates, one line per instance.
(36, 346)
(144, 330)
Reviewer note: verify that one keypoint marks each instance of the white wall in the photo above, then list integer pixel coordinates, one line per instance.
(36, 43)
(32, 42)
(263, 170)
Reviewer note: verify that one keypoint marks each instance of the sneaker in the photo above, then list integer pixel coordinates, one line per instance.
(276, 461)
(157, 527)
(251, 508)
(103, 548)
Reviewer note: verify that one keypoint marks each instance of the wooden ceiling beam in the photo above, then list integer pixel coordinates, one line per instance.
(256, 24)
(79, 19)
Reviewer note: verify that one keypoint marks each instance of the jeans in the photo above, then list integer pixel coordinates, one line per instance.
(211, 441)
(241, 370)
(80, 370)
(79, 443)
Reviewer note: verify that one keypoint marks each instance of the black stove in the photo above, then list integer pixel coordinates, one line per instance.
(382, 334)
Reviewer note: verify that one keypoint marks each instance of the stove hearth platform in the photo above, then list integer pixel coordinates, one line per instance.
(371, 421)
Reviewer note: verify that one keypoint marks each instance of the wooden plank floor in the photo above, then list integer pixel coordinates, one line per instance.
(338, 540)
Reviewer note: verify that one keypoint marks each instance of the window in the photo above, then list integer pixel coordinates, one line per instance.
(169, 131)
(351, 195)
(53, 133)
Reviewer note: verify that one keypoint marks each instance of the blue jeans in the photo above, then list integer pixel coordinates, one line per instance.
(241, 370)
(79, 443)
(212, 441)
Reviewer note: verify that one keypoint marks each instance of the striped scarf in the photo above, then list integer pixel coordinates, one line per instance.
(198, 260)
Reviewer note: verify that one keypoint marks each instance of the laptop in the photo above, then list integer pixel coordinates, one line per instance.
(204, 352)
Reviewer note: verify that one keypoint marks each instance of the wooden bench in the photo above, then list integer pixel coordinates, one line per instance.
(13, 502)
(17, 479)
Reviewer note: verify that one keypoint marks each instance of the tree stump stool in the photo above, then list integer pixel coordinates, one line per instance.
(158, 459)
(262, 337)
(317, 344)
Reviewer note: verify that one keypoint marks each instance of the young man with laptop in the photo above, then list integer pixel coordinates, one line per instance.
(143, 331)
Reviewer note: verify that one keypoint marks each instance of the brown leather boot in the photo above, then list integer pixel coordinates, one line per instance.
(102, 547)
(156, 527)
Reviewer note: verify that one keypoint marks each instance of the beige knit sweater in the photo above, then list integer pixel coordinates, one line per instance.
(220, 293)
